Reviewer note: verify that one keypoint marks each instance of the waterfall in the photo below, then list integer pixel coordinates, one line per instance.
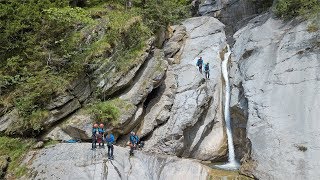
(232, 163)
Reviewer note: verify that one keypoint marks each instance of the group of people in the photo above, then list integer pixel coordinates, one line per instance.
(100, 136)
(200, 64)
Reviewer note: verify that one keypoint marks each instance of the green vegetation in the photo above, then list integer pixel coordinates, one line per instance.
(158, 14)
(301, 148)
(15, 148)
(105, 112)
(308, 9)
(108, 112)
(290, 8)
(47, 44)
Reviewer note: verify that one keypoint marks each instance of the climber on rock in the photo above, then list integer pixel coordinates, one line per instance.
(110, 142)
(199, 64)
(206, 71)
(134, 140)
(95, 132)
(100, 137)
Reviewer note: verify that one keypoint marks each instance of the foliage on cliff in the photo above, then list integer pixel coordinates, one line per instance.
(46, 44)
(292, 8)
(15, 148)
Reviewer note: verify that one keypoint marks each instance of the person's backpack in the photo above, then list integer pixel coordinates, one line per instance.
(198, 62)
(137, 138)
(206, 67)
(94, 131)
(110, 140)
(101, 131)
(134, 139)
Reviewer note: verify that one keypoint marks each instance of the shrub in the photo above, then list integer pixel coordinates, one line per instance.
(37, 91)
(105, 112)
(67, 17)
(20, 21)
(292, 8)
(158, 14)
(131, 42)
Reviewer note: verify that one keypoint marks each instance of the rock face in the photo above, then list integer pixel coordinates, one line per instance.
(233, 13)
(150, 76)
(174, 108)
(186, 119)
(149, 79)
(110, 81)
(77, 161)
(7, 119)
(275, 69)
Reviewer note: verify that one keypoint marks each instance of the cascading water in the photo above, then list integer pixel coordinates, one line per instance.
(232, 163)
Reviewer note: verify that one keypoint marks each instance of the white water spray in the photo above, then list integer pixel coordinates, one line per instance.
(232, 163)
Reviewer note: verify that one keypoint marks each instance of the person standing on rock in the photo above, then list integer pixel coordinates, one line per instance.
(206, 71)
(199, 64)
(95, 132)
(134, 139)
(101, 135)
(110, 142)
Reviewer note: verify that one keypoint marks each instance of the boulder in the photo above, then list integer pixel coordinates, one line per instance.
(171, 48)
(8, 119)
(77, 126)
(38, 145)
(175, 42)
(276, 65)
(57, 134)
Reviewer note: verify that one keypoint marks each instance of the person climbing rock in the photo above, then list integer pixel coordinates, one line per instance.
(134, 140)
(199, 64)
(100, 137)
(110, 142)
(95, 131)
(206, 71)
